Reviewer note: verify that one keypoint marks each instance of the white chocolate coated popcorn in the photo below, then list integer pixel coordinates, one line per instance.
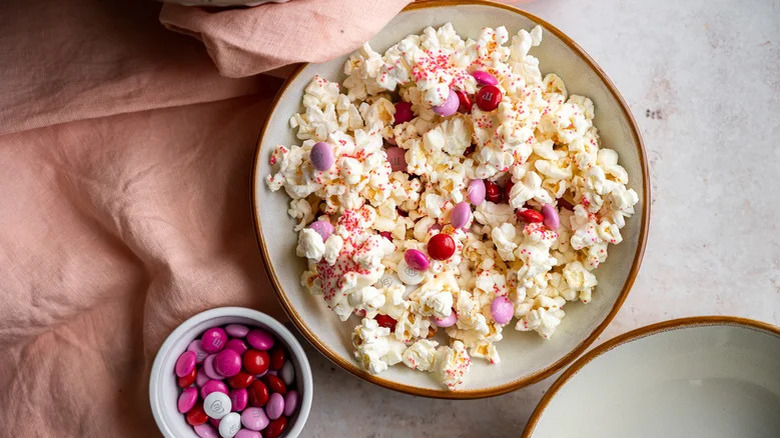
(539, 139)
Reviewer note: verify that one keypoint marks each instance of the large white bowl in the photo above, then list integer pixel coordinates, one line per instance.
(164, 393)
(525, 357)
(715, 377)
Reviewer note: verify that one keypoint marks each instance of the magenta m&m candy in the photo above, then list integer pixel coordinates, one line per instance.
(502, 310)
(476, 191)
(213, 340)
(213, 386)
(239, 399)
(484, 78)
(236, 330)
(260, 339)
(323, 228)
(450, 105)
(185, 363)
(460, 214)
(275, 407)
(321, 156)
(416, 259)
(237, 345)
(227, 362)
(187, 400)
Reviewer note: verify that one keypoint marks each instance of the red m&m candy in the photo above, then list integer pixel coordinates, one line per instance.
(488, 97)
(493, 192)
(464, 102)
(530, 216)
(276, 427)
(275, 384)
(197, 415)
(441, 246)
(241, 380)
(258, 394)
(189, 379)
(386, 321)
(256, 362)
(278, 357)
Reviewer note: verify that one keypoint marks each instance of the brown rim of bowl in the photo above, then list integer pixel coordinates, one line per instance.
(351, 367)
(633, 335)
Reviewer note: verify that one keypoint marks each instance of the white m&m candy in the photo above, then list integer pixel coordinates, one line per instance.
(409, 275)
(217, 405)
(230, 425)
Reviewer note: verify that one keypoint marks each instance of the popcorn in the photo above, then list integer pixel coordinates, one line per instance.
(540, 140)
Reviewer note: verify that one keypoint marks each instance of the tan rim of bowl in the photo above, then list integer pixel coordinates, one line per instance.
(633, 335)
(527, 380)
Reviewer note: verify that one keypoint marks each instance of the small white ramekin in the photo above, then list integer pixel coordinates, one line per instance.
(164, 393)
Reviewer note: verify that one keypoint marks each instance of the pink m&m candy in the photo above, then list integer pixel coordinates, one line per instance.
(239, 398)
(275, 406)
(198, 350)
(254, 419)
(321, 156)
(450, 106)
(201, 378)
(260, 339)
(460, 215)
(447, 321)
(323, 228)
(227, 362)
(291, 402)
(551, 219)
(246, 433)
(213, 340)
(185, 363)
(476, 191)
(397, 159)
(213, 386)
(502, 310)
(236, 330)
(403, 112)
(416, 259)
(484, 78)
(237, 345)
(206, 430)
(208, 368)
(187, 400)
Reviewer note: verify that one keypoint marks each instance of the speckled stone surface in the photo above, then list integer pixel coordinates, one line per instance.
(702, 78)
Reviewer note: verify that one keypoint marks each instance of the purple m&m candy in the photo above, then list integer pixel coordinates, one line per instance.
(236, 330)
(275, 406)
(200, 354)
(208, 368)
(246, 433)
(460, 215)
(185, 363)
(484, 78)
(396, 158)
(213, 386)
(237, 345)
(450, 106)
(227, 362)
(403, 112)
(239, 399)
(206, 430)
(447, 321)
(187, 400)
(551, 219)
(416, 259)
(323, 228)
(213, 340)
(476, 191)
(260, 339)
(502, 310)
(254, 419)
(322, 156)
(291, 401)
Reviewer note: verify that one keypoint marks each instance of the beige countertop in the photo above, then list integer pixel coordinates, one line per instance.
(703, 80)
